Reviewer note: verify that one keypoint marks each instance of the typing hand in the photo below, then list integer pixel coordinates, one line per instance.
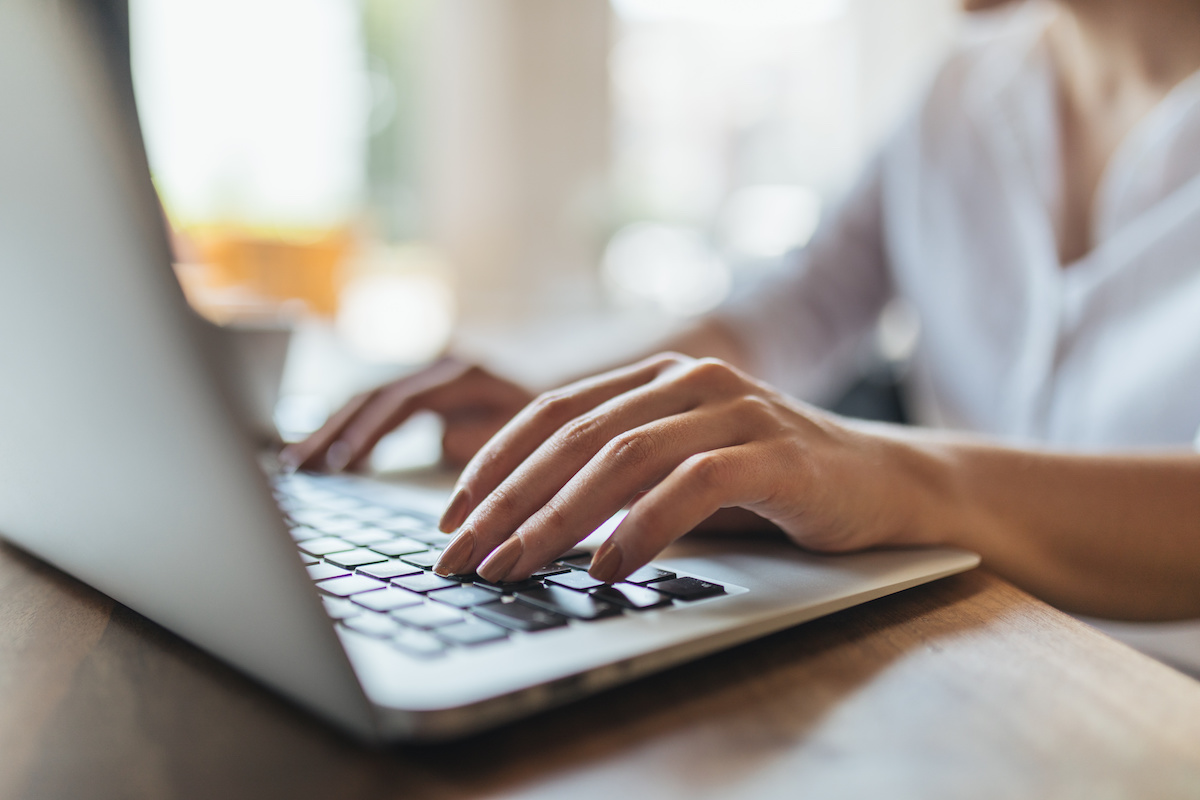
(473, 403)
(680, 438)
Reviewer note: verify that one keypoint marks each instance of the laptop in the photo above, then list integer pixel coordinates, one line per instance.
(125, 465)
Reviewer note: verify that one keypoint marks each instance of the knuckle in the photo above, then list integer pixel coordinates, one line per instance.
(553, 517)
(582, 431)
(711, 374)
(707, 470)
(550, 405)
(630, 450)
(502, 503)
(756, 410)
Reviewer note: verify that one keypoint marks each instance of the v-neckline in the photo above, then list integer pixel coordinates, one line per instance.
(1119, 171)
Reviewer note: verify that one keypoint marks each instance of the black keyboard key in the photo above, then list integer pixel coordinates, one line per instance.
(390, 569)
(519, 617)
(549, 569)
(424, 582)
(505, 587)
(473, 631)
(577, 560)
(389, 599)
(338, 608)
(324, 545)
(689, 588)
(628, 595)
(463, 596)
(580, 581)
(323, 572)
(359, 557)
(400, 547)
(429, 615)
(418, 643)
(649, 574)
(351, 584)
(424, 560)
(378, 625)
(568, 602)
(368, 536)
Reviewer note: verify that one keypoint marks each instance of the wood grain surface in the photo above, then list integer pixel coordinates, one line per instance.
(967, 688)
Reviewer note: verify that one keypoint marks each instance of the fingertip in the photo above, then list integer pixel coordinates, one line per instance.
(338, 456)
(607, 562)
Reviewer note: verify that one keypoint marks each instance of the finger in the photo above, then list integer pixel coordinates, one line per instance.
(696, 489)
(631, 463)
(530, 428)
(310, 453)
(541, 476)
(398, 402)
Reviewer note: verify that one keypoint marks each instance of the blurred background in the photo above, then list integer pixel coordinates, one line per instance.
(523, 180)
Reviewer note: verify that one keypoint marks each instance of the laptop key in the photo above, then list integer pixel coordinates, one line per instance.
(689, 588)
(337, 526)
(389, 599)
(576, 559)
(424, 560)
(649, 574)
(568, 602)
(302, 534)
(549, 569)
(338, 608)
(424, 582)
(308, 560)
(463, 596)
(506, 587)
(429, 615)
(355, 558)
(580, 581)
(472, 631)
(378, 625)
(418, 643)
(389, 569)
(351, 584)
(628, 595)
(519, 617)
(322, 572)
(367, 537)
(324, 545)
(400, 547)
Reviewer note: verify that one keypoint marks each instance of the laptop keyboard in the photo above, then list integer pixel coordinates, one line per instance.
(374, 568)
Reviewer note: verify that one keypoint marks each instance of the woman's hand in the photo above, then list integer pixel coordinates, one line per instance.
(473, 403)
(680, 438)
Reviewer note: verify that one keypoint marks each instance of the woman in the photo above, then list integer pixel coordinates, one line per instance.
(1041, 212)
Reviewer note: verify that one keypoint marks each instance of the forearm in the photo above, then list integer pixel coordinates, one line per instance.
(1115, 535)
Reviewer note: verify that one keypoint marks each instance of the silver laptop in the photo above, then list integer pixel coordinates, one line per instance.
(123, 463)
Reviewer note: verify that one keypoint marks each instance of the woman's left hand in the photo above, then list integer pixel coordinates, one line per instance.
(680, 438)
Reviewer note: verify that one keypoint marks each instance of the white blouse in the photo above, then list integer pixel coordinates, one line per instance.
(958, 217)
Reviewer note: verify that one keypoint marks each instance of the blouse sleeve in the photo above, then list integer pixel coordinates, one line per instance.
(804, 326)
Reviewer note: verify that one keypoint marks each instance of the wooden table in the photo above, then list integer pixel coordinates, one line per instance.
(967, 688)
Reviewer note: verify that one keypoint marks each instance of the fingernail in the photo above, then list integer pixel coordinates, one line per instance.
(338, 456)
(606, 564)
(455, 513)
(497, 566)
(455, 557)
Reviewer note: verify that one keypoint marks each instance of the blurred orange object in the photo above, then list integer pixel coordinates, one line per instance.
(279, 268)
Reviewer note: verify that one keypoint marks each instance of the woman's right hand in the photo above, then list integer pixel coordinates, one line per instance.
(473, 403)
